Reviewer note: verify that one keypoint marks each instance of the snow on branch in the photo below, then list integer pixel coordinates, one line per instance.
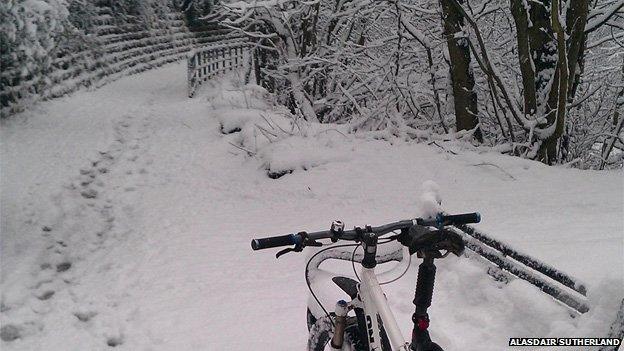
(598, 17)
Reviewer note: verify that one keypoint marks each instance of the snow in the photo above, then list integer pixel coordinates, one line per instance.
(127, 216)
(430, 200)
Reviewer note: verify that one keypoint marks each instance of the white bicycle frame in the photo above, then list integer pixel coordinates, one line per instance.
(375, 304)
(373, 301)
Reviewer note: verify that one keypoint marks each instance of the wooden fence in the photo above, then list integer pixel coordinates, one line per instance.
(212, 60)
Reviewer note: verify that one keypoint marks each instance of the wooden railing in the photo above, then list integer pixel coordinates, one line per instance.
(210, 61)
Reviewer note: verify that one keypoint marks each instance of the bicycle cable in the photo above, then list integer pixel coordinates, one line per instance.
(409, 263)
(308, 278)
(353, 263)
(354, 270)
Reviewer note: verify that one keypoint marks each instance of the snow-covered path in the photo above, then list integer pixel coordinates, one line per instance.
(142, 234)
(127, 215)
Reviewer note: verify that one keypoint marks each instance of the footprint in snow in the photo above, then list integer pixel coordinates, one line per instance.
(107, 156)
(114, 341)
(85, 316)
(10, 332)
(3, 307)
(46, 295)
(89, 193)
(62, 267)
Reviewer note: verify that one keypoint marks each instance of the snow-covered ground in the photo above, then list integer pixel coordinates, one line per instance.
(127, 216)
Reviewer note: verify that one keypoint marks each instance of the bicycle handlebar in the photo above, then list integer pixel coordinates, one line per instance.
(274, 241)
(355, 234)
(442, 220)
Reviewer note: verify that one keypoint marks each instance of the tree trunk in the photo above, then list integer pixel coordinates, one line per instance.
(521, 19)
(462, 78)
(576, 19)
(538, 53)
(558, 95)
(549, 56)
(543, 46)
(617, 125)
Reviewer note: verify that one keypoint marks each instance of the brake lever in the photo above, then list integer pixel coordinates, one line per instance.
(299, 247)
(285, 251)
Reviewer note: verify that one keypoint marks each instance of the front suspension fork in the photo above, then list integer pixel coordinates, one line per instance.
(340, 325)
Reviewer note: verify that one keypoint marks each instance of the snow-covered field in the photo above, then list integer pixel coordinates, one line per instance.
(127, 216)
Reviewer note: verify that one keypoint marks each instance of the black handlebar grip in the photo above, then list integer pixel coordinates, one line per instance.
(273, 241)
(464, 218)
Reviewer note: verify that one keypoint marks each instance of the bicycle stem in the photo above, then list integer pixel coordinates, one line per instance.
(369, 244)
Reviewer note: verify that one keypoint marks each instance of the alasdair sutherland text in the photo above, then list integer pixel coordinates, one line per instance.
(565, 342)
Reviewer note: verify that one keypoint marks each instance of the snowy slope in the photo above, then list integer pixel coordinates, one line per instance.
(127, 216)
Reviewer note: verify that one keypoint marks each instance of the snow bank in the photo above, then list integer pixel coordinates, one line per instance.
(270, 133)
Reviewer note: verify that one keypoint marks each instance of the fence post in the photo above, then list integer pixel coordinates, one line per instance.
(190, 74)
(256, 64)
(213, 59)
(230, 58)
(223, 59)
(202, 69)
(198, 70)
(236, 56)
(208, 62)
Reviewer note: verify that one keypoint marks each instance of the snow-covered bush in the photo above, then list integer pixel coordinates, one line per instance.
(308, 53)
(270, 133)
(30, 31)
(82, 14)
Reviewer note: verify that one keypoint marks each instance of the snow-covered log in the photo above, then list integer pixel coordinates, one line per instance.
(530, 262)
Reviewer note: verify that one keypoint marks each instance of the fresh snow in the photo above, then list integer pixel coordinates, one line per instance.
(127, 215)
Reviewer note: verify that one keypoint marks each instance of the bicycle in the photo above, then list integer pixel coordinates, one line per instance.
(374, 327)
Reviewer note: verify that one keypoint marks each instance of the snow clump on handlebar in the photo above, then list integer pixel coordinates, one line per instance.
(430, 200)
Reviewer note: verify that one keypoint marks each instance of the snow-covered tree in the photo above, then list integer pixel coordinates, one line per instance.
(29, 35)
